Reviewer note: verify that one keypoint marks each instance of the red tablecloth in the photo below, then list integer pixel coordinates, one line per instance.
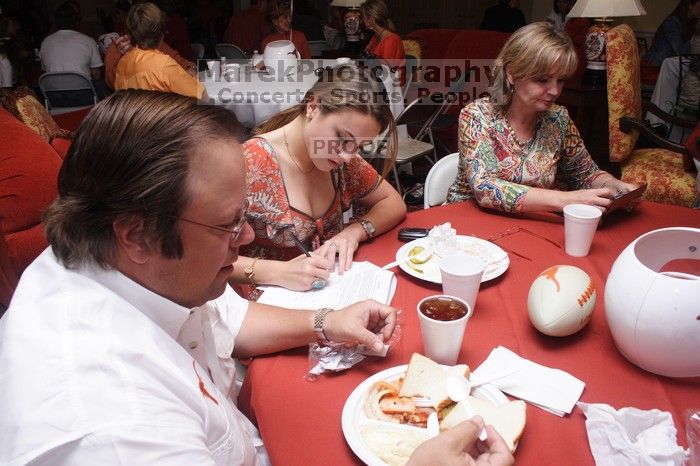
(300, 421)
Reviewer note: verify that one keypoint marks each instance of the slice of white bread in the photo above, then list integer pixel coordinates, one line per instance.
(425, 377)
(507, 419)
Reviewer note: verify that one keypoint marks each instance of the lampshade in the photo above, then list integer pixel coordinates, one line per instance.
(606, 8)
(348, 3)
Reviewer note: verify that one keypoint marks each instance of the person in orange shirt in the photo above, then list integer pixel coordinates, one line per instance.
(144, 66)
(248, 28)
(279, 16)
(385, 43)
(118, 48)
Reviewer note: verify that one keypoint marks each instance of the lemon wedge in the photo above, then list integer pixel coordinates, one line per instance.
(418, 255)
(414, 267)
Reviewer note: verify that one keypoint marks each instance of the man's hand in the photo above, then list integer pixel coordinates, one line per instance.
(367, 322)
(460, 445)
(123, 43)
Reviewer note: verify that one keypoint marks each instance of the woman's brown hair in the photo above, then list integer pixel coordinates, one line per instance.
(379, 12)
(346, 88)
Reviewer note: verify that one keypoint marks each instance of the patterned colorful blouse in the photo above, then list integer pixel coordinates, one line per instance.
(497, 170)
(274, 220)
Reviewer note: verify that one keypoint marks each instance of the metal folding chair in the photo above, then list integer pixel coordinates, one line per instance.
(421, 111)
(198, 50)
(229, 51)
(67, 91)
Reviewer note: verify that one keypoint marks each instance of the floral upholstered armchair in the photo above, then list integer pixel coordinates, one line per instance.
(668, 171)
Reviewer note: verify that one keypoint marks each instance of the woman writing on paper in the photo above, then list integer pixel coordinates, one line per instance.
(304, 173)
(517, 148)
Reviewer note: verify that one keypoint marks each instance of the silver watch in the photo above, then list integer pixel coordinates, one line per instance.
(368, 226)
(319, 318)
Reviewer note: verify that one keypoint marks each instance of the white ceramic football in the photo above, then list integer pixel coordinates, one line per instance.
(654, 315)
(561, 300)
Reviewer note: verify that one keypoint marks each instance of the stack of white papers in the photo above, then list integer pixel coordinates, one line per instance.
(553, 390)
(363, 281)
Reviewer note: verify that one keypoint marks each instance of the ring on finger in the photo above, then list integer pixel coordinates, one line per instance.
(318, 284)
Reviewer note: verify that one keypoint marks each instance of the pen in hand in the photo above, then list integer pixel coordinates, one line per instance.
(300, 246)
(319, 282)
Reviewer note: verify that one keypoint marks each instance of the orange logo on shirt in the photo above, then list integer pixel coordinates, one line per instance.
(202, 387)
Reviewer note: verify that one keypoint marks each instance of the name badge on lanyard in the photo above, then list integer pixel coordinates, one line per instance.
(347, 215)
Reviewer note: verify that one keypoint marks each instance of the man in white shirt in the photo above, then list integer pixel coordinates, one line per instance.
(69, 50)
(117, 346)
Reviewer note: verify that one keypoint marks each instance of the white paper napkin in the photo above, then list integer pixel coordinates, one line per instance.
(631, 436)
(553, 390)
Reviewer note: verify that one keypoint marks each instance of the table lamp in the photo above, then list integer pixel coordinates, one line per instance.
(352, 20)
(601, 11)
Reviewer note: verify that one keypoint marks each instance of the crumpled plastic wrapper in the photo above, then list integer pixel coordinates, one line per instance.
(336, 357)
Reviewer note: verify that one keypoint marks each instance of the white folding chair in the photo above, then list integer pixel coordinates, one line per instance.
(439, 179)
(229, 51)
(198, 50)
(67, 91)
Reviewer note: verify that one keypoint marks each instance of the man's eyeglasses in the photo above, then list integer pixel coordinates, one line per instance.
(234, 232)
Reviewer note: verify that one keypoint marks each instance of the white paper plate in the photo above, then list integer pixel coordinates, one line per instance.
(354, 418)
(496, 257)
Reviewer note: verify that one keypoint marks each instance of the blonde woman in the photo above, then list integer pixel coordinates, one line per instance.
(305, 174)
(518, 147)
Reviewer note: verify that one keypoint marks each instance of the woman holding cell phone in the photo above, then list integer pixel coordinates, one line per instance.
(519, 151)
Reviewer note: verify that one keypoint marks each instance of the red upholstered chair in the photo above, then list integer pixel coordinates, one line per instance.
(669, 174)
(28, 171)
(434, 41)
(469, 44)
(23, 105)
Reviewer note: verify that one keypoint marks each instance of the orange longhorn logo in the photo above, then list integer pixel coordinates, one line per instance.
(551, 274)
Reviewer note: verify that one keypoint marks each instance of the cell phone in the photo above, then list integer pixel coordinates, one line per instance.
(626, 200)
(409, 234)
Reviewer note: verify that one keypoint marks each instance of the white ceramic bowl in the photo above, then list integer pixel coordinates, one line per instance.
(280, 53)
(654, 316)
